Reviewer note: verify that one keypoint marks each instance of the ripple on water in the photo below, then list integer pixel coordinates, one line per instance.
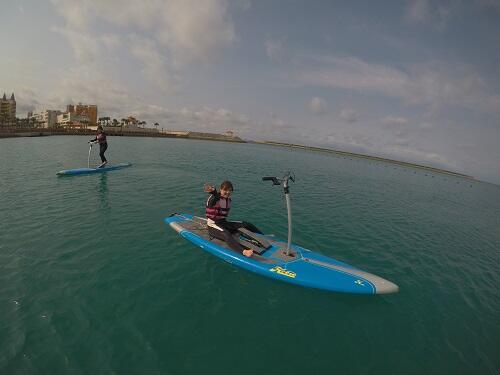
(93, 281)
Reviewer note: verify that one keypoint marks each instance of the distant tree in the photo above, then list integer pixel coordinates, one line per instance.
(156, 125)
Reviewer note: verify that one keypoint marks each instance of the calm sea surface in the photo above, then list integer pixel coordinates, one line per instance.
(93, 282)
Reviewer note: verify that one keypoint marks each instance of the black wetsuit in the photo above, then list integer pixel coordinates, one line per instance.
(227, 228)
(103, 145)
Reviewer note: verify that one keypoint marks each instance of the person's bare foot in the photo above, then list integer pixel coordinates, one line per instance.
(248, 253)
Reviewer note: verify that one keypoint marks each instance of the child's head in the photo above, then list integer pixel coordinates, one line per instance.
(99, 128)
(226, 188)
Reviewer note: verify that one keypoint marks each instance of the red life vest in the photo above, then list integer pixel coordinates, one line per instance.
(220, 210)
(101, 137)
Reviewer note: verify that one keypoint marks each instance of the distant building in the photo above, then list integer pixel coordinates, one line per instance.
(72, 120)
(44, 119)
(88, 111)
(8, 111)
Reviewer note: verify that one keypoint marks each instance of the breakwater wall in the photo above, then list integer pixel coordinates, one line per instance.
(121, 132)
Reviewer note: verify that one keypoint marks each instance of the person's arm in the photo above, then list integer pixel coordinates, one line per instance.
(213, 199)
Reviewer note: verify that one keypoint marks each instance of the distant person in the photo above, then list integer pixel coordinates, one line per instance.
(216, 209)
(103, 144)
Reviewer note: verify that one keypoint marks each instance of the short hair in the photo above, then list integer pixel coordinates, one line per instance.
(99, 127)
(226, 185)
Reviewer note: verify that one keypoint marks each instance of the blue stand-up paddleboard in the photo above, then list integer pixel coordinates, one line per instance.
(88, 170)
(71, 172)
(280, 259)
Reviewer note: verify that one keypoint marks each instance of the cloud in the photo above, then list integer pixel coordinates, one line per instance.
(317, 105)
(88, 48)
(275, 49)
(426, 125)
(27, 100)
(243, 4)
(353, 74)
(204, 119)
(174, 32)
(349, 115)
(418, 10)
(154, 63)
(489, 3)
(434, 84)
(195, 30)
(394, 120)
(187, 27)
(277, 123)
(86, 85)
(426, 12)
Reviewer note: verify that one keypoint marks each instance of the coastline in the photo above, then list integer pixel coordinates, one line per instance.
(44, 132)
(362, 156)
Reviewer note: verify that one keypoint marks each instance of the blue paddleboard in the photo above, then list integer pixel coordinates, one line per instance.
(300, 266)
(71, 172)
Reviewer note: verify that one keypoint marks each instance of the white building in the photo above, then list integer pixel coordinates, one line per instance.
(45, 119)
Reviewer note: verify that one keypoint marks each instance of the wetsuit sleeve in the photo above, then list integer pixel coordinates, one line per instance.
(213, 198)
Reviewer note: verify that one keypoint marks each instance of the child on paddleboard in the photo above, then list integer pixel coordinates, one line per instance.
(216, 209)
(103, 144)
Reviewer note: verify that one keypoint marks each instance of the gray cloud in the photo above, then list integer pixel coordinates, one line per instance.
(434, 84)
(276, 49)
(394, 120)
(155, 68)
(317, 105)
(186, 30)
(349, 115)
(427, 12)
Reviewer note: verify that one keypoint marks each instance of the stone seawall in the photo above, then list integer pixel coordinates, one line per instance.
(30, 132)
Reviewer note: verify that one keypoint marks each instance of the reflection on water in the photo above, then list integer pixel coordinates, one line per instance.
(102, 190)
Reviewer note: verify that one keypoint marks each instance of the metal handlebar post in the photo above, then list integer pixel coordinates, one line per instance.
(88, 160)
(286, 189)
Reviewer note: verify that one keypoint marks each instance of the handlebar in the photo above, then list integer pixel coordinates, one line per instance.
(273, 179)
(279, 181)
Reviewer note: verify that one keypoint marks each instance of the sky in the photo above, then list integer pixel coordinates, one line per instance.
(414, 80)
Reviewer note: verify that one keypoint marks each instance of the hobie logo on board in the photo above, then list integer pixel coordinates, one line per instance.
(284, 272)
(359, 282)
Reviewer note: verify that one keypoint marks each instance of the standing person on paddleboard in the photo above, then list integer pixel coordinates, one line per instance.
(216, 209)
(103, 144)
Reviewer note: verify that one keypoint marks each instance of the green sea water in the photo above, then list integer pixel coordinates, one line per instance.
(93, 282)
